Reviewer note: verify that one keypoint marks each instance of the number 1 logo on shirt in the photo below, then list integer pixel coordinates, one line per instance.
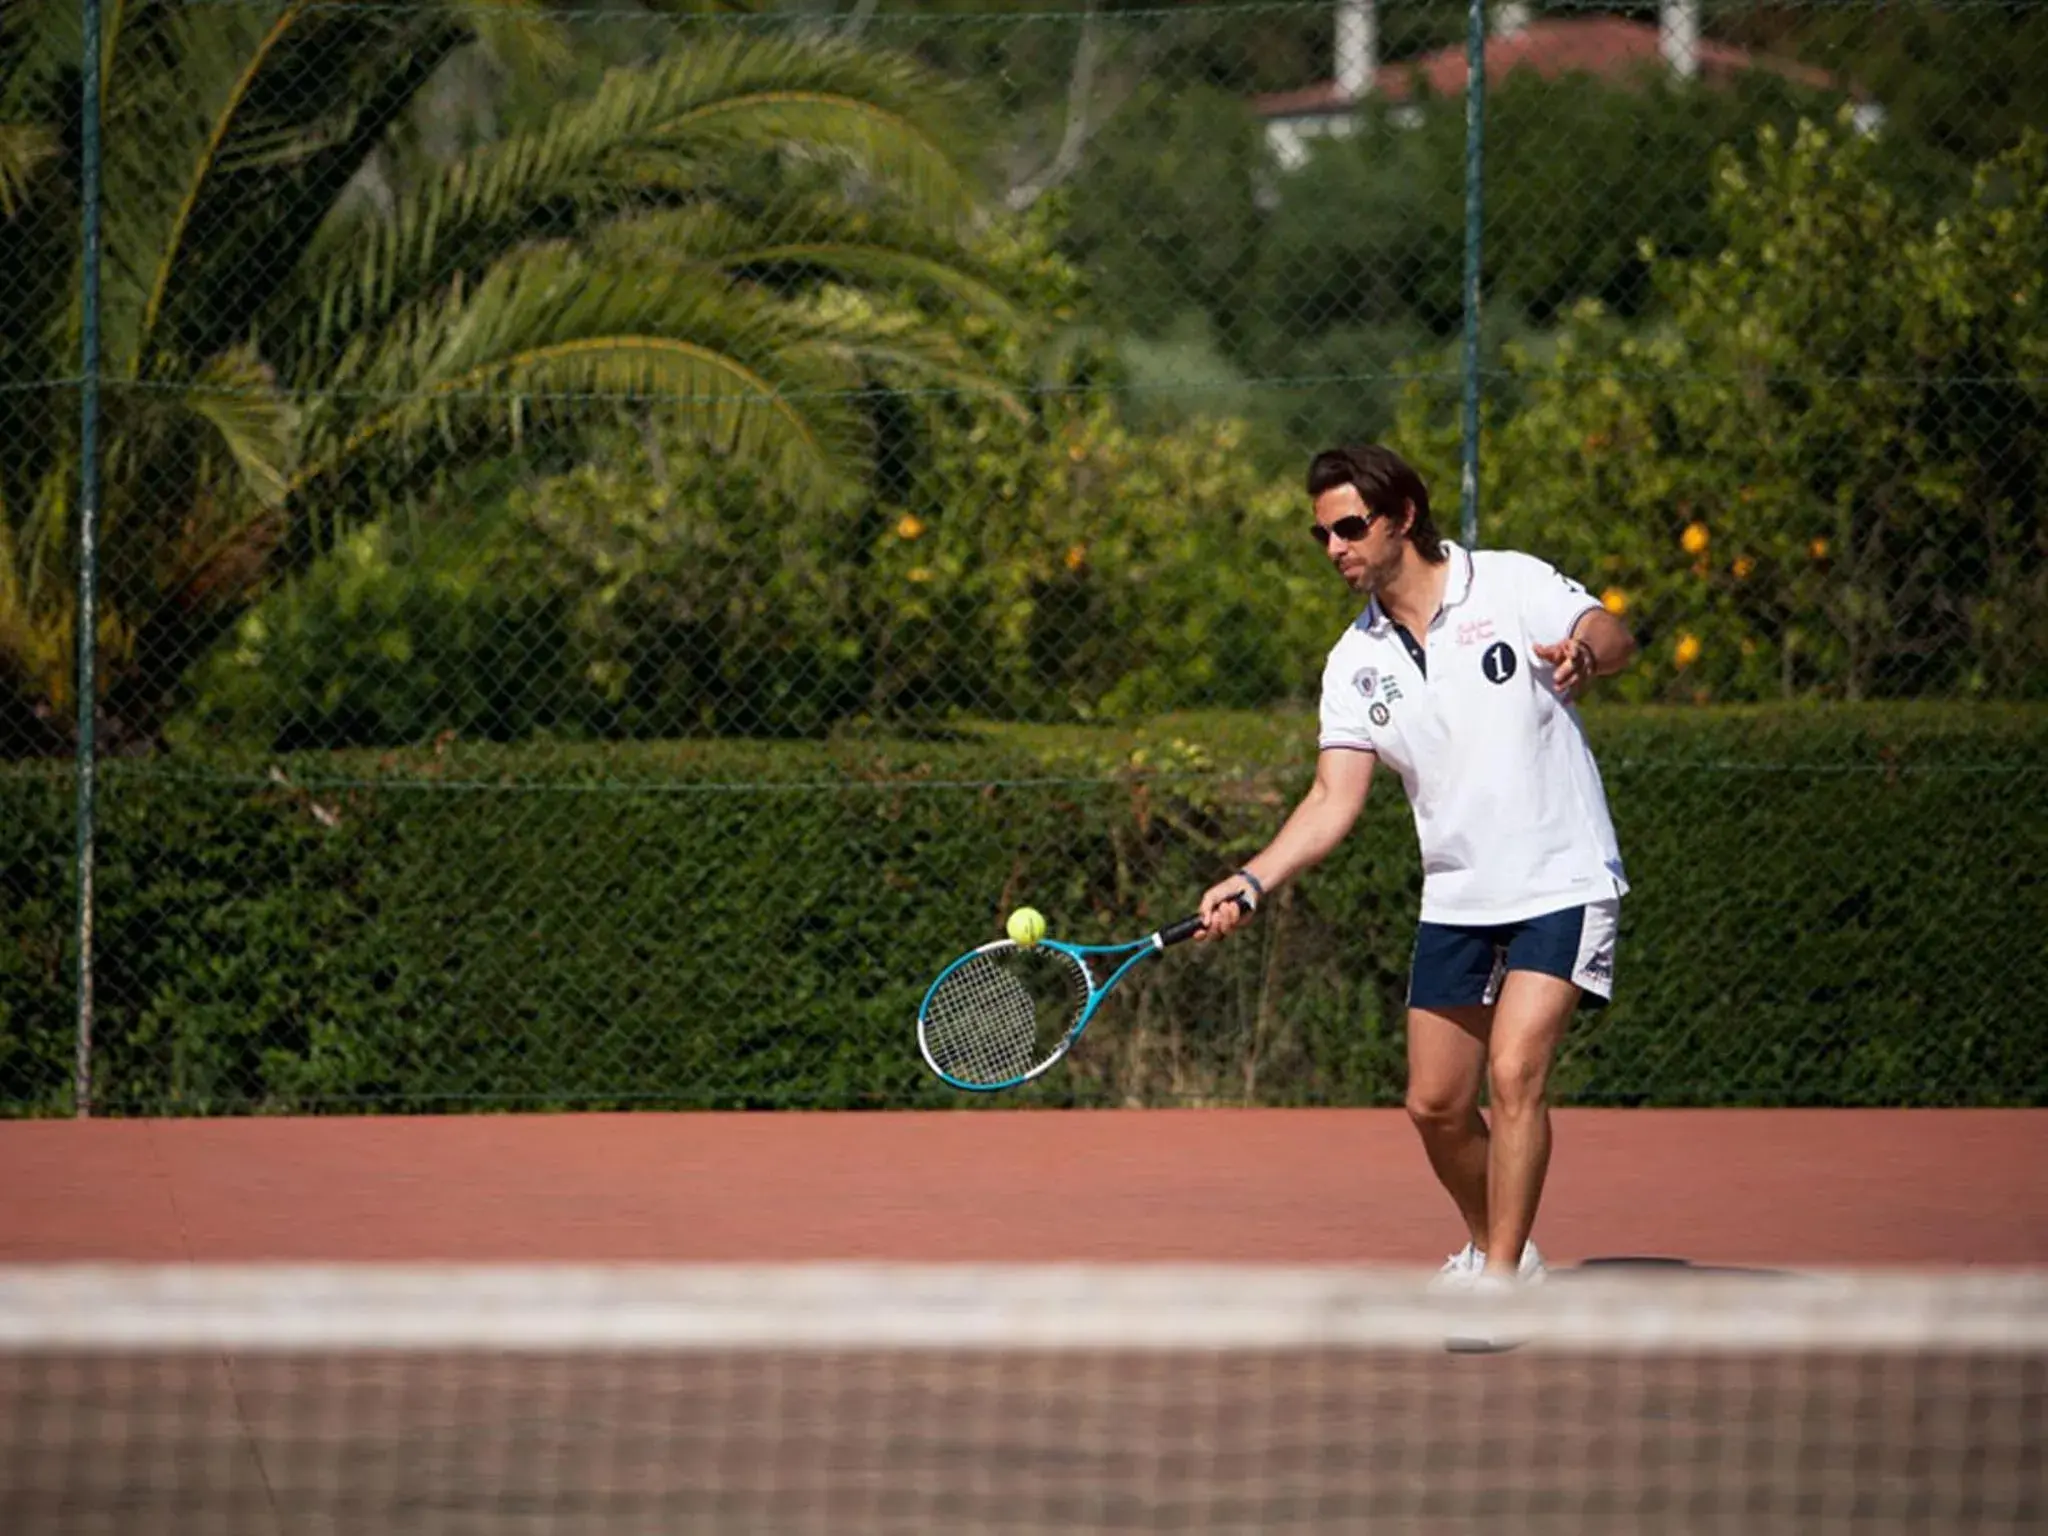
(1498, 662)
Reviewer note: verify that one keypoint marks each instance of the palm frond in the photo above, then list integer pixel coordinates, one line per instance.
(705, 7)
(38, 43)
(24, 147)
(524, 38)
(35, 590)
(731, 409)
(816, 238)
(196, 476)
(647, 133)
(232, 516)
(237, 399)
(38, 240)
(901, 349)
(38, 250)
(268, 112)
(41, 532)
(35, 648)
(548, 335)
(882, 111)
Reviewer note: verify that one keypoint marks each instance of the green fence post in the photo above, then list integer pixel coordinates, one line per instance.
(87, 628)
(1475, 203)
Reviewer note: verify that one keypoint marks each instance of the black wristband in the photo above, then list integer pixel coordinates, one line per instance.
(1252, 880)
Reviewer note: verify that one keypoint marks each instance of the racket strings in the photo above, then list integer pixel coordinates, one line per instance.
(1003, 1014)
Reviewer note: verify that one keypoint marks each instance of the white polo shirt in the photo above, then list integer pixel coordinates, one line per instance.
(1508, 803)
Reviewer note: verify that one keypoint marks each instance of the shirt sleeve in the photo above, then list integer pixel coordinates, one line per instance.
(1345, 718)
(1552, 602)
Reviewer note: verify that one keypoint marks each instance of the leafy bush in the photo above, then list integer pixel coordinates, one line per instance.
(1825, 471)
(732, 924)
(1058, 567)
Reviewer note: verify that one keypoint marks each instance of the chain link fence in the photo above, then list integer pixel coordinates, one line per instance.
(624, 536)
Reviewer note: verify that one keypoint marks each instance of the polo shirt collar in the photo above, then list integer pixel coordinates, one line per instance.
(1457, 587)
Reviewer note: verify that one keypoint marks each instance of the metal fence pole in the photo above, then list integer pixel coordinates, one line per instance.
(86, 631)
(1475, 204)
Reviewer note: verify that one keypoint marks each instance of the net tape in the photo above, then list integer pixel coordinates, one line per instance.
(972, 1306)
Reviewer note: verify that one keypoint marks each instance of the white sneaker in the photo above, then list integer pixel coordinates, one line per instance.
(1460, 1270)
(1465, 1266)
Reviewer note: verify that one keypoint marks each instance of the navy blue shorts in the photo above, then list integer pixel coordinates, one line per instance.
(1461, 967)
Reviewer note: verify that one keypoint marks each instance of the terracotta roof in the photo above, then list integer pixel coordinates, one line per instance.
(1609, 47)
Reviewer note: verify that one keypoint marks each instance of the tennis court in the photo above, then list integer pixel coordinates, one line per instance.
(1158, 1321)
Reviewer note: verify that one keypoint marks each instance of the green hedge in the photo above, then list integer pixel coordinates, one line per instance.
(1832, 906)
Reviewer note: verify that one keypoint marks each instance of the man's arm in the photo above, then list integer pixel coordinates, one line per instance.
(1316, 826)
(1599, 645)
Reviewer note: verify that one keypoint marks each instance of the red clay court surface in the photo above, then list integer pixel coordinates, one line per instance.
(1762, 1187)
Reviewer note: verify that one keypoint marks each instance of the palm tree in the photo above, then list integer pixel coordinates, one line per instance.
(747, 232)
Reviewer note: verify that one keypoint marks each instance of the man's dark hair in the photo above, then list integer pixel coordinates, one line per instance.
(1387, 484)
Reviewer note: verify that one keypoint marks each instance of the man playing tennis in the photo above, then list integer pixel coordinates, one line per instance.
(1461, 675)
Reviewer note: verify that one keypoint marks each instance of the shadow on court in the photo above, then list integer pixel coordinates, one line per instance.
(1655, 1264)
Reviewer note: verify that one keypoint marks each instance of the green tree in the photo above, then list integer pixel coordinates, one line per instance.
(296, 338)
(1825, 470)
(1960, 76)
(1362, 263)
(1162, 214)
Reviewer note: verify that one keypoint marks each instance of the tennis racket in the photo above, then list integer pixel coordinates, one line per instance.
(1003, 1014)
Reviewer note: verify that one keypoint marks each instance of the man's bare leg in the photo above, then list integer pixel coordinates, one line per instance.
(1529, 1022)
(1446, 1067)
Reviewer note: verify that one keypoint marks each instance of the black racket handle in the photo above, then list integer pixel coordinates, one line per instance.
(1188, 927)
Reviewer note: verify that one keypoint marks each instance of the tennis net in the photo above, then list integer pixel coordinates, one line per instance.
(961, 1398)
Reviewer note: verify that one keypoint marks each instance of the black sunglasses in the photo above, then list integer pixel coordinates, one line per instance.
(1350, 529)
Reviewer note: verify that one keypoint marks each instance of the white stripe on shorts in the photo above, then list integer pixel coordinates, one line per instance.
(1594, 968)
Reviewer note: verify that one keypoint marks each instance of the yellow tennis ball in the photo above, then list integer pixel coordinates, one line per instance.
(1027, 926)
